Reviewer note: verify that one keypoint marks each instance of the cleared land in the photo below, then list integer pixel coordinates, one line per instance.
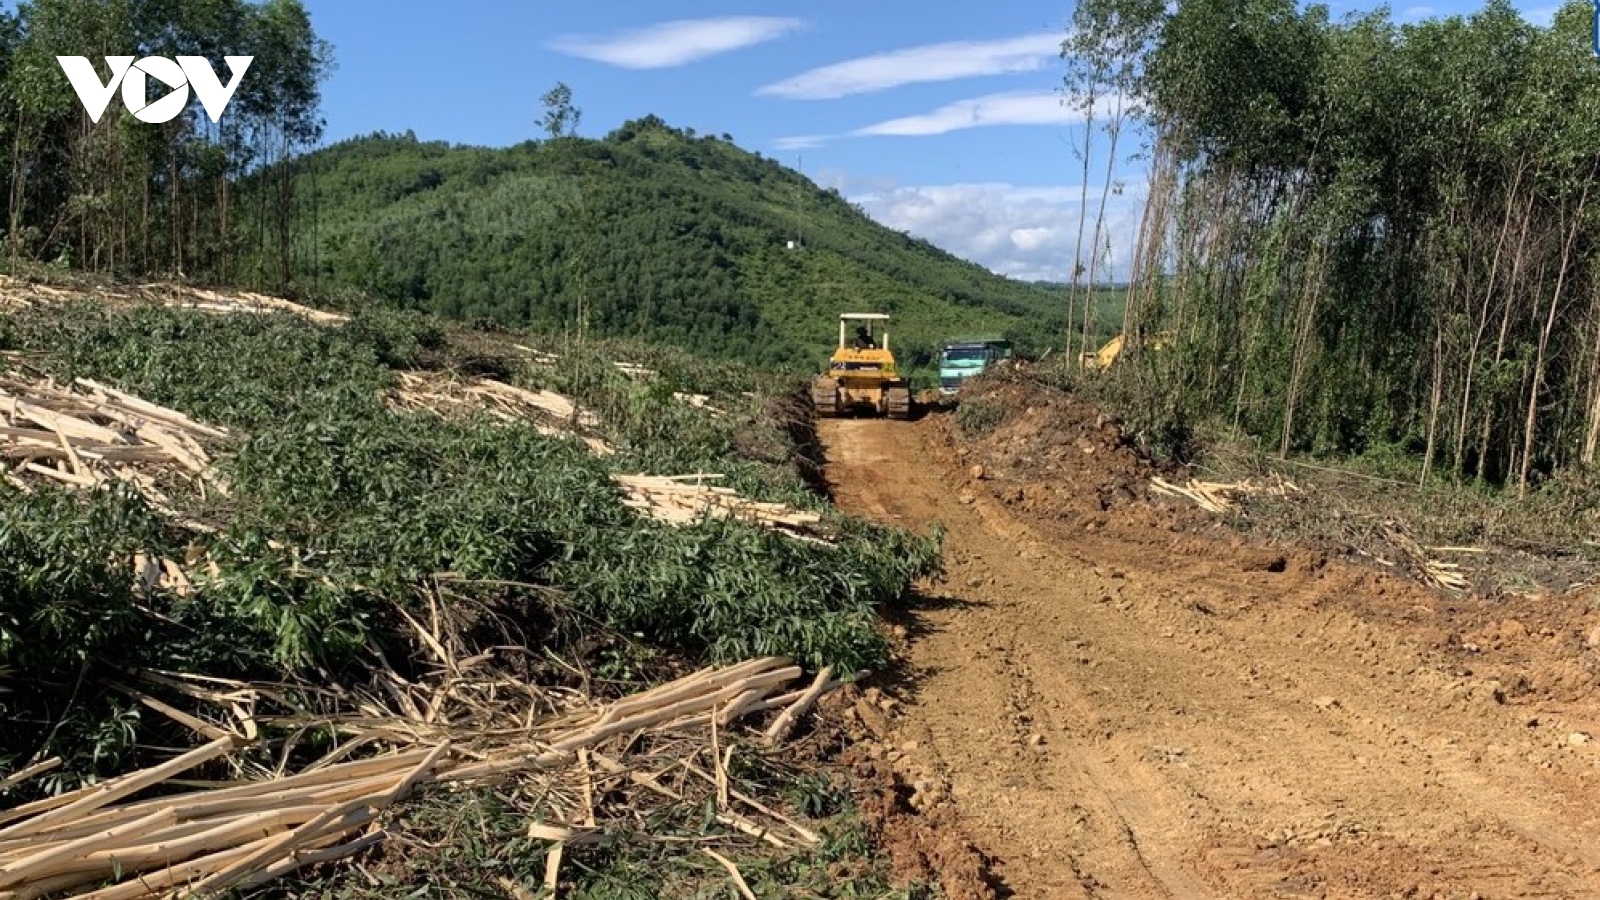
(1107, 697)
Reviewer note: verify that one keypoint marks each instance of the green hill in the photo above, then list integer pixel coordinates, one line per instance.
(657, 233)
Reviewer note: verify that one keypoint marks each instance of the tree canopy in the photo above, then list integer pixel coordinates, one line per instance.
(125, 197)
(1373, 234)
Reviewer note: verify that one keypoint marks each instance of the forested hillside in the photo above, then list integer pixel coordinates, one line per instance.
(652, 232)
(1367, 234)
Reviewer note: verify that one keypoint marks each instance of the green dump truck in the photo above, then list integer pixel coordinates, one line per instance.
(961, 360)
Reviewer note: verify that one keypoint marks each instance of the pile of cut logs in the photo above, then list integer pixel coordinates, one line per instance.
(98, 843)
(90, 434)
(684, 499)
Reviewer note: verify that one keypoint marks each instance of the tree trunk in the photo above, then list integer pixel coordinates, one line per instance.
(1529, 428)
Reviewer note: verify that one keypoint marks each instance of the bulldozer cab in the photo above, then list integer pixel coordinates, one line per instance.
(870, 331)
(861, 374)
(863, 344)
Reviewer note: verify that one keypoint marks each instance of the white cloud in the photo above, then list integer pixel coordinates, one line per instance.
(1040, 108)
(979, 112)
(1415, 13)
(801, 142)
(1030, 239)
(1024, 232)
(678, 42)
(930, 62)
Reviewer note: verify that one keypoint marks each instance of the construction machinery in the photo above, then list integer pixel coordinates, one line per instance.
(861, 376)
(1099, 360)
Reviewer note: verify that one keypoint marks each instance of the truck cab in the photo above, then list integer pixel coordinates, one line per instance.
(961, 360)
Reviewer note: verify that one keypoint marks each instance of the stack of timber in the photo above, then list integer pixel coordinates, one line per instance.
(89, 434)
(100, 843)
(445, 395)
(685, 499)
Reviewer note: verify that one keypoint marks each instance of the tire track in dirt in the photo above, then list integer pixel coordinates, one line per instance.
(1124, 713)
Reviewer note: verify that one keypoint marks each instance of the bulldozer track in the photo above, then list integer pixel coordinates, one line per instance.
(898, 401)
(825, 397)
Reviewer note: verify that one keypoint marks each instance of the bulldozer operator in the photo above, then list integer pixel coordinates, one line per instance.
(864, 339)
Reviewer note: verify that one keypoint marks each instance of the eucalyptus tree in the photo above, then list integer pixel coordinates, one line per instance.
(130, 197)
(1104, 51)
(1372, 234)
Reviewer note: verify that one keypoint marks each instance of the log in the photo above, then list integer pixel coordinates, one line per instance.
(786, 720)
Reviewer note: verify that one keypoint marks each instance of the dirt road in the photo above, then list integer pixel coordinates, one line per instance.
(1122, 710)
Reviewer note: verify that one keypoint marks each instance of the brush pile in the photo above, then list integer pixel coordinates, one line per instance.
(566, 759)
(685, 499)
(90, 434)
(19, 294)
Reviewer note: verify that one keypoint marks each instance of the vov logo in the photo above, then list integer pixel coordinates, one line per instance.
(134, 78)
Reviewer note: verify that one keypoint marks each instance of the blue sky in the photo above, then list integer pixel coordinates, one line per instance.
(942, 117)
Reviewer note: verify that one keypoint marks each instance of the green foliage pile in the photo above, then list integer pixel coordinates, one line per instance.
(342, 511)
(1369, 235)
(652, 233)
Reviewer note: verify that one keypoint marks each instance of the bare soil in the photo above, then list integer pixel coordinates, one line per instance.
(1109, 697)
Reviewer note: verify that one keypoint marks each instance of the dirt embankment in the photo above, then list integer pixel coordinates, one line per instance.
(1111, 697)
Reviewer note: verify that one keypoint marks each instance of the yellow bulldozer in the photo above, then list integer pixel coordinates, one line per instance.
(861, 376)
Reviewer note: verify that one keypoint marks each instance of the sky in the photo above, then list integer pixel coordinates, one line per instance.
(941, 118)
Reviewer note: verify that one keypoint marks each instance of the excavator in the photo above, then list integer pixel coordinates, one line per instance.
(861, 376)
(1100, 360)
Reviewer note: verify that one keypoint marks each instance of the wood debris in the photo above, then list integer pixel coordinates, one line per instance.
(685, 499)
(632, 370)
(89, 434)
(1220, 496)
(237, 302)
(550, 413)
(1435, 572)
(18, 293)
(98, 843)
(698, 401)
